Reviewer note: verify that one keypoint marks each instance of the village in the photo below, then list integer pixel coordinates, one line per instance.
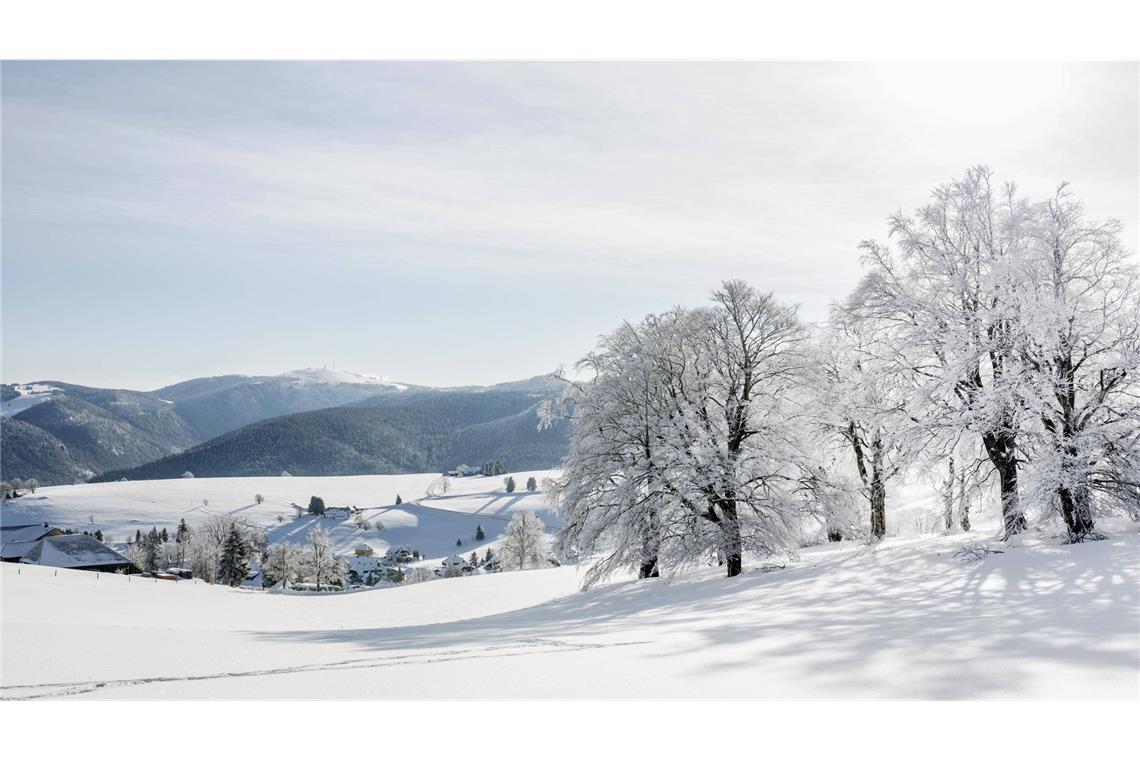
(317, 548)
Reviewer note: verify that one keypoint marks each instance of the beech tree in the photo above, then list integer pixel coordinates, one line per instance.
(682, 444)
(859, 402)
(1081, 321)
(946, 316)
(523, 540)
(322, 566)
(284, 564)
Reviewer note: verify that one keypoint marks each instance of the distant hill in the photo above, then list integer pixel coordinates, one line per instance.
(420, 431)
(26, 451)
(68, 433)
(83, 431)
(217, 405)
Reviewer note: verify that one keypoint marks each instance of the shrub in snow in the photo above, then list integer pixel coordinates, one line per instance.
(187, 474)
(509, 484)
(531, 484)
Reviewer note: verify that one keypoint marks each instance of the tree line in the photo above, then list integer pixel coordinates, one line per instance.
(997, 344)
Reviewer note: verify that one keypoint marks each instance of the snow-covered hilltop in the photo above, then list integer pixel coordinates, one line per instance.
(334, 376)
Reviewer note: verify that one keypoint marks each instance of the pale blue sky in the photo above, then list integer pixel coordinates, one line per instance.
(472, 223)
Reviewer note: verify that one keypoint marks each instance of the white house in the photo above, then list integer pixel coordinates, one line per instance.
(338, 513)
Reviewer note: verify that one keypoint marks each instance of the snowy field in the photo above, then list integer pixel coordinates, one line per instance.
(431, 524)
(905, 618)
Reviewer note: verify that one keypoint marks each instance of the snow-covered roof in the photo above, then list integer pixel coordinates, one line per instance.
(17, 539)
(72, 551)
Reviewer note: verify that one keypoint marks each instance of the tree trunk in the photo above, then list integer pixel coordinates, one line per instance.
(648, 569)
(948, 498)
(1001, 449)
(878, 490)
(963, 502)
(1077, 511)
(730, 524)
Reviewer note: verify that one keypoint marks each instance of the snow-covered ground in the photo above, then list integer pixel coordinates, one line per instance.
(431, 524)
(904, 618)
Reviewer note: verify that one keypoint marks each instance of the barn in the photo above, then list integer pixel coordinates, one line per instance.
(77, 552)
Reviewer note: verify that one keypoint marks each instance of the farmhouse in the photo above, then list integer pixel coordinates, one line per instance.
(400, 554)
(16, 540)
(454, 565)
(338, 513)
(77, 552)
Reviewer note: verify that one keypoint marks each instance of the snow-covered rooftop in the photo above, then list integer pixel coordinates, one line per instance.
(72, 551)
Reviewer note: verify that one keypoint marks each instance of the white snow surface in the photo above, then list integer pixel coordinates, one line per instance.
(902, 618)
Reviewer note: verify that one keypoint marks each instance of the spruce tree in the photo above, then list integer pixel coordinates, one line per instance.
(398, 499)
(479, 534)
(152, 551)
(531, 484)
(234, 565)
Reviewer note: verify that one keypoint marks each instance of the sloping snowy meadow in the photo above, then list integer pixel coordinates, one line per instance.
(907, 617)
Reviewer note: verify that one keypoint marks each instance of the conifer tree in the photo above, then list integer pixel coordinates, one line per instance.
(234, 564)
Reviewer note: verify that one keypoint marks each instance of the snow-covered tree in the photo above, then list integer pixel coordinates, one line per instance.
(1080, 313)
(233, 565)
(182, 537)
(322, 565)
(531, 484)
(283, 564)
(858, 401)
(208, 542)
(31, 484)
(523, 541)
(258, 498)
(945, 315)
(509, 484)
(682, 445)
(187, 474)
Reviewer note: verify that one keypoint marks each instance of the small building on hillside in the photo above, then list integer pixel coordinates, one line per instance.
(16, 540)
(77, 552)
(338, 513)
(400, 554)
(454, 565)
(464, 470)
